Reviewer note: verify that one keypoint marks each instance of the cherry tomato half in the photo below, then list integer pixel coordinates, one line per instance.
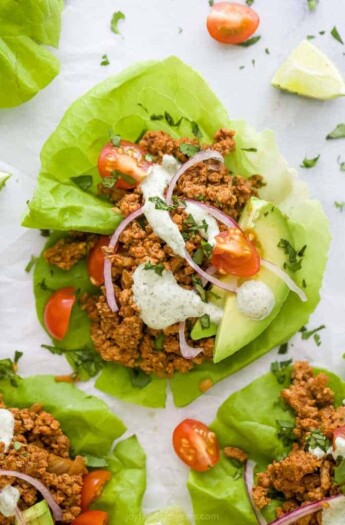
(339, 433)
(234, 254)
(128, 160)
(92, 517)
(57, 312)
(196, 445)
(95, 261)
(230, 23)
(93, 485)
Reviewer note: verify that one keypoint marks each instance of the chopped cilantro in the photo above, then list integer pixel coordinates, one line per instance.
(142, 106)
(160, 204)
(312, 4)
(196, 130)
(317, 339)
(83, 181)
(250, 41)
(249, 2)
(140, 136)
(8, 369)
(337, 133)
(198, 256)
(157, 268)
(283, 349)
(180, 30)
(45, 233)
(335, 34)
(158, 343)
(322, 32)
(339, 473)
(317, 439)
(310, 37)
(207, 249)
(295, 257)
(205, 321)
(105, 60)
(306, 334)
(85, 361)
(210, 3)
(199, 288)
(280, 369)
(139, 378)
(340, 205)
(156, 117)
(251, 150)
(31, 263)
(267, 51)
(341, 163)
(193, 226)
(189, 149)
(117, 16)
(304, 283)
(242, 67)
(285, 432)
(310, 163)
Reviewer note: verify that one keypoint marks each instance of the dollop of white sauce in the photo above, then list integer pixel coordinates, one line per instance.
(255, 300)
(339, 450)
(163, 302)
(199, 215)
(6, 427)
(160, 220)
(9, 497)
(318, 452)
(334, 513)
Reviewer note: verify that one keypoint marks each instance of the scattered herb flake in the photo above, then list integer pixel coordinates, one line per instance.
(249, 2)
(267, 51)
(210, 3)
(160, 204)
(105, 60)
(322, 32)
(156, 117)
(117, 16)
(180, 30)
(283, 349)
(205, 321)
(3, 179)
(337, 133)
(196, 130)
(310, 37)
(250, 150)
(285, 432)
(199, 288)
(31, 264)
(341, 164)
(242, 67)
(317, 439)
(304, 283)
(159, 342)
(310, 163)
(250, 41)
(312, 4)
(142, 106)
(193, 227)
(44, 233)
(17, 445)
(8, 369)
(253, 62)
(340, 205)
(335, 34)
(317, 339)
(281, 370)
(189, 149)
(295, 257)
(198, 256)
(140, 136)
(83, 181)
(139, 378)
(85, 361)
(157, 268)
(306, 334)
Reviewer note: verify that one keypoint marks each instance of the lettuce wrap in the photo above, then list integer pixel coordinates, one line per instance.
(248, 420)
(92, 429)
(125, 104)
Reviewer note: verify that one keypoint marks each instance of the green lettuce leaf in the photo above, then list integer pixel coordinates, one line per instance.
(125, 104)
(92, 429)
(26, 66)
(247, 419)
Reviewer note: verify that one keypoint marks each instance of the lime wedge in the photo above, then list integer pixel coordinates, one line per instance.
(309, 72)
(4, 178)
(168, 516)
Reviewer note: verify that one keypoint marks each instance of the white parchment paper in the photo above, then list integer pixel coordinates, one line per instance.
(151, 30)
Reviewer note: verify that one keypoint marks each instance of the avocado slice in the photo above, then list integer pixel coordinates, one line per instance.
(236, 330)
(38, 514)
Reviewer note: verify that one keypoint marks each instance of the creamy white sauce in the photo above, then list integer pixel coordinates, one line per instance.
(255, 300)
(6, 427)
(318, 452)
(339, 450)
(9, 497)
(334, 513)
(199, 214)
(163, 302)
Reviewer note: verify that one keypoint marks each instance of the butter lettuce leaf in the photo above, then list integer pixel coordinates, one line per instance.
(26, 65)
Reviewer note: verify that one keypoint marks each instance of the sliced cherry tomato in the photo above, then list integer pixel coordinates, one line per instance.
(196, 445)
(230, 23)
(57, 312)
(92, 517)
(234, 254)
(339, 433)
(93, 485)
(127, 160)
(95, 261)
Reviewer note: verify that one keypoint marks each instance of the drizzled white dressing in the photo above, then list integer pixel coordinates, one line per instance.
(163, 302)
(199, 215)
(6, 427)
(9, 497)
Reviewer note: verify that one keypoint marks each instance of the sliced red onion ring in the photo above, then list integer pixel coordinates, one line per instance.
(216, 213)
(188, 352)
(230, 287)
(19, 516)
(210, 271)
(202, 156)
(249, 483)
(291, 517)
(286, 278)
(108, 281)
(56, 510)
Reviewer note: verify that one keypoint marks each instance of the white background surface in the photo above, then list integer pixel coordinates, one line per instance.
(151, 30)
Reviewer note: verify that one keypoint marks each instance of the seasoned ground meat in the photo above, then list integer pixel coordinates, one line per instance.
(68, 251)
(302, 477)
(122, 337)
(40, 449)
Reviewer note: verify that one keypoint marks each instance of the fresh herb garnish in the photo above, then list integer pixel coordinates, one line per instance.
(250, 41)
(180, 30)
(309, 163)
(249, 2)
(157, 117)
(105, 60)
(337, 133)
(317, 439)
(310, 37)
(142, 106)
(193, 226)
(85, 361)
(94, 461)
(198, 256)
(140, 136)
(139, 378)
(157, 268)
(340, 205)
(44, 233)
(306, 334)
(205, 321)
(210, 3)
(83, 181)
(251, 150)
(207, 248)
(160, 204)
(195, 129)
(341, 163)
(199, 288)
(339, 473)
(280, 369)
(322, 32)
(295, 257)
(117, 16)
(312, 4)
(335, 34)
(158, 343)
(304, 283)
(283, 349)
(189, 149)
(31, 263)
(285, 432)
(267, 51)
(43, 285)
(8, 369)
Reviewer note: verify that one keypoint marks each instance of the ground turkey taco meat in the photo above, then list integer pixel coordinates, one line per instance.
(308, 473)
(41, 450)
(123, 337)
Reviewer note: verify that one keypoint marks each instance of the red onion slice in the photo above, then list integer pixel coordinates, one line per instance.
(229, 287)
(108, 281)
(249, 483)
(291, 517)
(56, 510)
(202, 156)
(188, 352)
(290, 283)
(19, 516)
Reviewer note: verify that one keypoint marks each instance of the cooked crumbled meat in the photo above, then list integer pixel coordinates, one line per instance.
(66, 252)
(40, 449)
(302, 477)
(236, 453)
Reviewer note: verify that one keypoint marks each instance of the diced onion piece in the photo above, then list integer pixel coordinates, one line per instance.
(292, 517)
(290, 283)
(56, 510)
(229, 286)
(188, 352)
(108, 280)
(202, 156)
(249, 483)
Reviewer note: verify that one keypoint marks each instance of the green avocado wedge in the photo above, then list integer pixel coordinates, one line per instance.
(38, 514)
(235, 331)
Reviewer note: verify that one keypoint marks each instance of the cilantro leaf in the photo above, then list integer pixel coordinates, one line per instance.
(285, 432)
(157, 268)
(306, 334)
(341, 163)
(249, 2)
(317, 439)
(8, 369)
(312, 4)
(31, 263)
(160, 204)
(83, 181)
(105, 60)
(117, 16)
(251, 150)
(139, 378)
(335, 34)
(85, 361)
(337, 133)
(281, 370)
(310, 163)
(205, 321)
(340, 205)
(250, 41)
(189, 149)
(294, 257)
